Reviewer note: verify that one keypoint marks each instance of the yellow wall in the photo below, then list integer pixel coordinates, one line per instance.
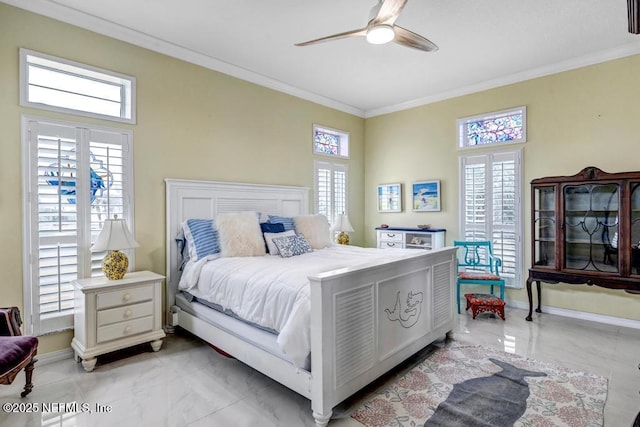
(193, 123)
(584, 117)
(200, 124)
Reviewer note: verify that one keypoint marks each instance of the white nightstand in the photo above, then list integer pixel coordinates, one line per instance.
(115, 314)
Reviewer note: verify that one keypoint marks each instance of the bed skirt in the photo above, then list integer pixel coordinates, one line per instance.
(258, 337)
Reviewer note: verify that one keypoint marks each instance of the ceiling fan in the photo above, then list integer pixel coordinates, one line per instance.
(382, 29)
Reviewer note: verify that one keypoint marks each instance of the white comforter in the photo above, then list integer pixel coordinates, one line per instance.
(273, 292)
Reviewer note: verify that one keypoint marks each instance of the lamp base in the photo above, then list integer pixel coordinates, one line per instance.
(115, 265)
(343, 238)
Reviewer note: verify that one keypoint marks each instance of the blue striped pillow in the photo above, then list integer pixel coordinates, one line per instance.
(284, 220)
(202, 238)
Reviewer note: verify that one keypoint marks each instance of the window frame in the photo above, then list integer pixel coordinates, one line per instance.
(489, 159)
(128, 87)
(463, 141)
(344, 149)
(35, 324)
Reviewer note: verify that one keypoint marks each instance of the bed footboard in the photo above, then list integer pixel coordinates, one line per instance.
(367, 320)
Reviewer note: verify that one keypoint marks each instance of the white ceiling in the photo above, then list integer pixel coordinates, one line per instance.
(483, 43)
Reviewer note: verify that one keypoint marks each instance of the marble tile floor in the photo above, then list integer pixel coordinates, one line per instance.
(187, 383)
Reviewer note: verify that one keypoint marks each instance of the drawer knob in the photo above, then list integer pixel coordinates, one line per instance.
(391, 235)
(126, 297)
(127, 329)
(391, 244)
(128, 313)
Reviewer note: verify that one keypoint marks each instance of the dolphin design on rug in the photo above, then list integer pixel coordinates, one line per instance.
(497, 400)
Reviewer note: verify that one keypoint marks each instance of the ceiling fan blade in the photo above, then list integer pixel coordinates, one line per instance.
(411, 39)
(389, 12)
(359, 32)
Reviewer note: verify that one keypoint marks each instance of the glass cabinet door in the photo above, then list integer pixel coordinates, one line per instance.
(635, 228)
(544, 223)
(591, 227)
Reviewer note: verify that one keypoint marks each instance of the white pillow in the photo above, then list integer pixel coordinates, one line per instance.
(314, 228)
(240, 234)
(268, 237)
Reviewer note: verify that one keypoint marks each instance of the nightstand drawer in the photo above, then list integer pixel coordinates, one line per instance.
(391, 236)
(385, 244)
(127, 312)
(125, 296)
(124, 329)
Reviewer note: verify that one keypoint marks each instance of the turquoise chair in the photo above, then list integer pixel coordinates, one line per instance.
(477, 265)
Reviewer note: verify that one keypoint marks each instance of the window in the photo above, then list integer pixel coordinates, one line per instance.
(330, 142)
(331, 189)
(74, 177)
(501, 127)
(56, 84)
(491, 207)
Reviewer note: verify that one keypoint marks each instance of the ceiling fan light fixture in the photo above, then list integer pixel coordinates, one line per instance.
(380, 34)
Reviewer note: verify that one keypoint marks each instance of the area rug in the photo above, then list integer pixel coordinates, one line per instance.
(469, 385)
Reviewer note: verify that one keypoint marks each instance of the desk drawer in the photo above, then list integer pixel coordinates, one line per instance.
(127, 312)
(125, 296)
(124, 329)
(384, 244)
(390, 236)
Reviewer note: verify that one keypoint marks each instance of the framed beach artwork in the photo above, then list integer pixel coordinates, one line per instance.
(390, 198)
(426, 196)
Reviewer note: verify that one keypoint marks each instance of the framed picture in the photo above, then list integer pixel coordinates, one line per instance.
(426, 196)
(390, 198)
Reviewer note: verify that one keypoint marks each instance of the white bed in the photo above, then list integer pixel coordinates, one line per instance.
(360, 324)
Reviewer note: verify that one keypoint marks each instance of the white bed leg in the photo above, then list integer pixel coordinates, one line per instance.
(322, 419)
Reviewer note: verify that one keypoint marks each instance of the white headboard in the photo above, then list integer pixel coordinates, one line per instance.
(205, 199)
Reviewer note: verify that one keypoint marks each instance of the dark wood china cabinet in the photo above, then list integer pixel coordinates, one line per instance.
(585, 230)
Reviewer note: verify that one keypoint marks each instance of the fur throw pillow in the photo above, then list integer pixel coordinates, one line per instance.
(240, 234)
(314, 228)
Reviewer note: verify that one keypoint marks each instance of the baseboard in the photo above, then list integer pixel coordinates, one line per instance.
(601, 318)
(54, 356)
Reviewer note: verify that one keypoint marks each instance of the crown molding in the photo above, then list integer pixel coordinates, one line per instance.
(51, 9)
(628, 49)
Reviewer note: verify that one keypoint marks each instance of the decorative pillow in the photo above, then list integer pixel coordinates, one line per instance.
(240, 234)
(268, 238)
(315, 229)
(284, 220)
(202, 238)
(267, 227)
(289, 246)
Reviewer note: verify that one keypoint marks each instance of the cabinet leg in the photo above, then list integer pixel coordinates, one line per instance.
(155, 345)
(76, 357)
(529, 318)
(89, 364)
(539, 309)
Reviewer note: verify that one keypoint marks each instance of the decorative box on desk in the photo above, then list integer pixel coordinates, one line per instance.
(115, 314)
(410, 238)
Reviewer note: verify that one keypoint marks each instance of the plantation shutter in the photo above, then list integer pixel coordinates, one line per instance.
(75, 179)
(339, 191)
(491, 207)
(331, 189)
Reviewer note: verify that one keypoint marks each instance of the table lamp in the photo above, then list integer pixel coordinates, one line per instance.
(343, 226)
(114, 236)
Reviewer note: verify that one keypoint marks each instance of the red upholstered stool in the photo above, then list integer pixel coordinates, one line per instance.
(484, 303)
